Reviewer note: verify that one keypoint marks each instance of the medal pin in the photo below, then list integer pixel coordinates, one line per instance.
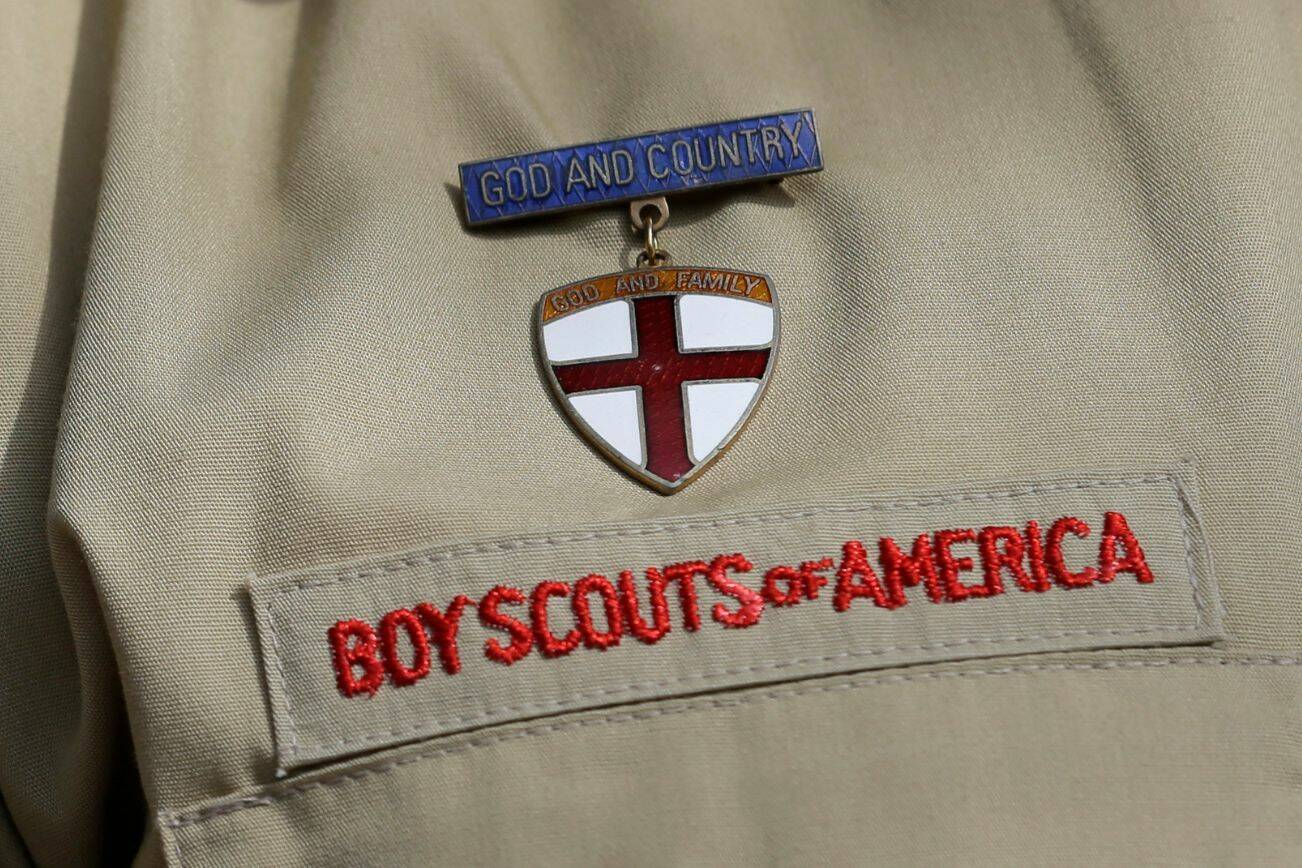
(660, 366)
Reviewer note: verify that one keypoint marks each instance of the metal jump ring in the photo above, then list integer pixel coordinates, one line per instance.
(649, 215)
(652, 253)
(662, 257)
(649, 239)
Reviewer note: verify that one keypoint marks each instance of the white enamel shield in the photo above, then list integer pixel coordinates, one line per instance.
(660, 368)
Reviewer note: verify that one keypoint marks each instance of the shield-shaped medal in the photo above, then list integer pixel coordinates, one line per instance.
(660, 368)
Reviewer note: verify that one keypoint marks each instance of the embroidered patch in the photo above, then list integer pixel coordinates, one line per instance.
(433, 642)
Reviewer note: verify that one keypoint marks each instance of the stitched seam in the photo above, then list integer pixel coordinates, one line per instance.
(295, 750)
(173, 820)
(291, 726)
(432, 726)
(168, 831)
(1182, 506)
(616, 533)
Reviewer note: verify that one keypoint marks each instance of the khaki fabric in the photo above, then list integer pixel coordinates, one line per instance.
(67, 788)
(1019, 765)
(1178, 605)
(1051, 240)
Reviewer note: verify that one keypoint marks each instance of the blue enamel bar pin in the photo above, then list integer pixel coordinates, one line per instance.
(640, 167)
(659, 367)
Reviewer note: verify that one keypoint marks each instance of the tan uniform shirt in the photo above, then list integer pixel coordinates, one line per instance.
(257, 378)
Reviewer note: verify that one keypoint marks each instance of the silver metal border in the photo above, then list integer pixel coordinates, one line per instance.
(605, 445)
(640, 473)
(542, 342)
(734, 430)
(678, 322)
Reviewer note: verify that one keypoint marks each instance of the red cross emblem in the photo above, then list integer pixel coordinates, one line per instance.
(660, 368)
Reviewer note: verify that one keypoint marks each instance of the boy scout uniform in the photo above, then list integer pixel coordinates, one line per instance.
(1005, 568)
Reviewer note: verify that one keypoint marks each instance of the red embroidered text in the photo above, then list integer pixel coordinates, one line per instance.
(595, 612)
